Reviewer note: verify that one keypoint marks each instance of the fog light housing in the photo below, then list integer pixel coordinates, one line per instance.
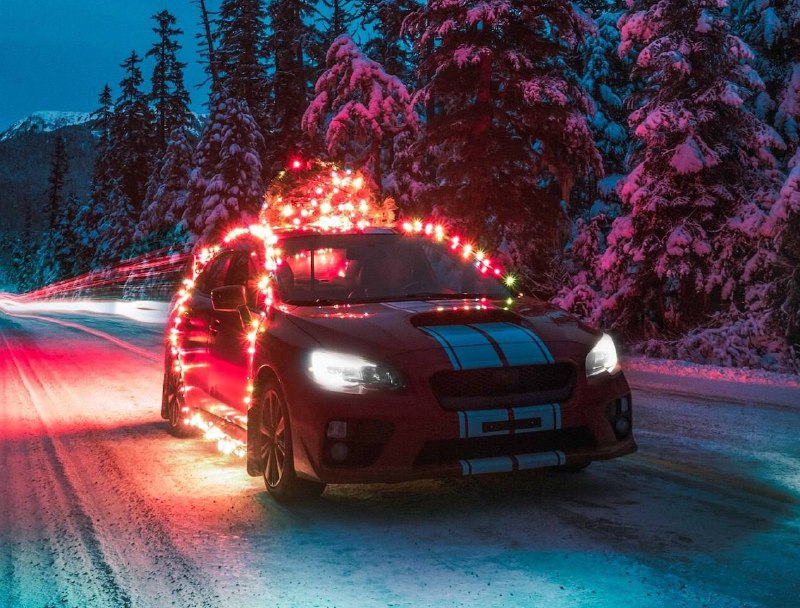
(339, 452)
(337, 429)
(620, 414)
(622, 426)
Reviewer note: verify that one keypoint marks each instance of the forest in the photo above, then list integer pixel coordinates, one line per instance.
(634, 162)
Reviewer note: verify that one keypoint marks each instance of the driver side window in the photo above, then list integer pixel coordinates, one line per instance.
(214, 274)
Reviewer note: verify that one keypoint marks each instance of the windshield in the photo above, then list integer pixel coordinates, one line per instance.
(353, 268)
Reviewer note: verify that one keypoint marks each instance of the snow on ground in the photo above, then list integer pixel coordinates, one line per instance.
(102, 508)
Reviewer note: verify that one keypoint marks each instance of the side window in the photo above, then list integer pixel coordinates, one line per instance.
(246, 269)
(214, 274)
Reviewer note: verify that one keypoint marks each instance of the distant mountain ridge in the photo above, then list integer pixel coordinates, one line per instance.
(26, 149)
(46, 122)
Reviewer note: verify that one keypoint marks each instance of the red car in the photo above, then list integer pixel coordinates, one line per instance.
(376, 356)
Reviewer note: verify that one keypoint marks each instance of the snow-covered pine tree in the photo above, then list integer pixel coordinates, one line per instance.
(785, 214)
(205, 157)
(384, 18)
(235, 192)
(64, 240)
(131, 146)
(506, 117)
(24, 273)
(241, 54)
(165, 199)
(606, 77)
(129, 157)
(772, 29)
(295, 72)
(358, 110)
(91, 213)
(688, 242)
(168, 95)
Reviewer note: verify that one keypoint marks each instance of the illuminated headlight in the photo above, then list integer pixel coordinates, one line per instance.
(602, 358)
(350, 374)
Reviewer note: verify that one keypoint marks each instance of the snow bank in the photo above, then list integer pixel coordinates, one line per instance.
(142, 310)
(711, 382)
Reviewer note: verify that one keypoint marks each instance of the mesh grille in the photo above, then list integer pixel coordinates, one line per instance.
(501, 386)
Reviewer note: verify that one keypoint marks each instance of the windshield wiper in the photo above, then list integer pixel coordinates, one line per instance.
(435, 295)
(317, 302)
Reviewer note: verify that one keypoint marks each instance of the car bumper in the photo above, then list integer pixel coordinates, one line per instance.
(394, 437)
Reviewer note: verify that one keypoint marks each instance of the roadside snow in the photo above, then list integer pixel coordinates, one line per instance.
(735, 385)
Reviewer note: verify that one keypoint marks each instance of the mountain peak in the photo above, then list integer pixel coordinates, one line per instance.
(45, 121)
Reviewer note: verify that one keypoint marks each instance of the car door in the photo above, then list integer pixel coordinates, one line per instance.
(196, 330)
(229, 343)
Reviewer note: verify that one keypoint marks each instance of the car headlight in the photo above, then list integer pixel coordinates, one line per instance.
(350, 374)
(602, 358)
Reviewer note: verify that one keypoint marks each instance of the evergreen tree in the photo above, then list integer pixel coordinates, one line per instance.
(360, 109)
(168, 96)
(205, 157)
(132, 144)
(335, 19)
(242, 54)
(772, 29)
(694, 204)
(165, 199)
(56, 182)
(289, 46)
(92, 212)
(786, 215)
(388, 46)
(506, 116)
(206, 43)
(235, 192)
(64, 241)
(130, 154)
(101, 174)
(606, 77)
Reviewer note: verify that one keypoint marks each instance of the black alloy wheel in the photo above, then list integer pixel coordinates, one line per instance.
(276, 451)
(174, 400)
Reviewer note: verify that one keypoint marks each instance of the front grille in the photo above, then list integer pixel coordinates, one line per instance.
(487, 388)
(451, 450)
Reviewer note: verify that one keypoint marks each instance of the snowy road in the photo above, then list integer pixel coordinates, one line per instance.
(99, 507)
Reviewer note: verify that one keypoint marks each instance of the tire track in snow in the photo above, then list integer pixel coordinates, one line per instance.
(73, 534)
(139, 554)
(93, 332)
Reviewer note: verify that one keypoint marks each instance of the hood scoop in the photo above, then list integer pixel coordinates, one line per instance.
(462, 316)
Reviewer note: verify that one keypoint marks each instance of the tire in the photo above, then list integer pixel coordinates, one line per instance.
(275, 449)
(173, 403)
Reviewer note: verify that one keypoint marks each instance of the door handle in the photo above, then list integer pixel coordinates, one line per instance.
(214, 327)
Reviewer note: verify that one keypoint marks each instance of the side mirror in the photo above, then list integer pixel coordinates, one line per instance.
(228, 298)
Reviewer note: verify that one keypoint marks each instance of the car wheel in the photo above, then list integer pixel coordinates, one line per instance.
(275, 436)
(173, 402)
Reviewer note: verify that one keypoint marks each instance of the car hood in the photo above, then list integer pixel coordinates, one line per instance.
(390, 328)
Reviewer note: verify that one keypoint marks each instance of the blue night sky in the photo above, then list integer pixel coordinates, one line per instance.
(58, 54)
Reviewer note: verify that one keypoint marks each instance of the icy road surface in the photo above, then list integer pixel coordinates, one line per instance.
(100, 507)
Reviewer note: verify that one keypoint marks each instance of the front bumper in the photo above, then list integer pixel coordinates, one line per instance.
(407, 435)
